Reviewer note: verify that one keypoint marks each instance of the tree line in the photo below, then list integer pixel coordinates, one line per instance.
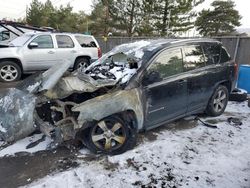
(167, 18)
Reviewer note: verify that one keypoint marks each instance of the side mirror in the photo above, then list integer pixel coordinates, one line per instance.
(151, 78)
(33, 45)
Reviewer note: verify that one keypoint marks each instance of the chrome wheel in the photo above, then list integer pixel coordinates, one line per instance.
(8, 73)
(108, 135)
(220, 101)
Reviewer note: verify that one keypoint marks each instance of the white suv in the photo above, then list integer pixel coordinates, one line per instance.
(37, 52)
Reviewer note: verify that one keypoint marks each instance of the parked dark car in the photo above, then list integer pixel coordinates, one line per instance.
(135, 87)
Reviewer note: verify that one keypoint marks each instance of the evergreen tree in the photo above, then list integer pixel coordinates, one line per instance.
(173, 16)
(220, 20)
(35, 13)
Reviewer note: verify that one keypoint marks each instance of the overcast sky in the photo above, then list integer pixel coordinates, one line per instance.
(13, 9)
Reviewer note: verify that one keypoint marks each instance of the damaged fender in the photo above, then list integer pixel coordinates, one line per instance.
(103, 106)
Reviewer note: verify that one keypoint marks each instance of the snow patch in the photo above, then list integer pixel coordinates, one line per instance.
(197, 157)
(20, 146)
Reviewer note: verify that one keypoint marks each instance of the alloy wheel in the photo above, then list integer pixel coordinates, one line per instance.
(8, 73)
(220, 101)
(108, 135)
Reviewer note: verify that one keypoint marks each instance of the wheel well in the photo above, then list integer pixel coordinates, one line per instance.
(15, 60)
(130, 117)
(228, 85)
(79, 57)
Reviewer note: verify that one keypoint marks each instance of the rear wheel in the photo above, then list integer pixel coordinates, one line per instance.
(218, 102)
(9, 71)
(81, 63)
(111, 136)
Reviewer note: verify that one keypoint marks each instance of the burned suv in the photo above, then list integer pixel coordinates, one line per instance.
(135, 87)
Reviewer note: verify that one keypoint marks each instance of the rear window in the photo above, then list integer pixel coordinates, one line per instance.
(86, 41)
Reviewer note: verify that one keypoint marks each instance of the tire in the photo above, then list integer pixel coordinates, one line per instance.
(81, 62)
(238, 96)
(10, 71)
(218, 102)
(110, 142)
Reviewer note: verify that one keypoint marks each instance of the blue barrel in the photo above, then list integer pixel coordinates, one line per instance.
(244, 78)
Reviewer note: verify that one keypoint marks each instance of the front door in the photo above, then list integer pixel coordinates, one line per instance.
(165, 88)
(41, 57)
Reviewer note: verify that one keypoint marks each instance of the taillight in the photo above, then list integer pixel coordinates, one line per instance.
(99, 53)
(236, 69)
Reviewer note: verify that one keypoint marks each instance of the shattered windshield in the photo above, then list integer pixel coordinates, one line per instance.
(120, 64)
(20, 41)
(118, 67)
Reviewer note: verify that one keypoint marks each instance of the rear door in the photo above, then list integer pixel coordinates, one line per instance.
(41, 57)
(216, 58)
(165, 88)
(66, 49)
(197, 83)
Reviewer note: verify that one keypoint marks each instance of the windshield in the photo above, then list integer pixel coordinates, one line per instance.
(20, 41)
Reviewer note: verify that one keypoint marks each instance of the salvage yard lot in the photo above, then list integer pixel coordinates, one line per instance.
(182, 154)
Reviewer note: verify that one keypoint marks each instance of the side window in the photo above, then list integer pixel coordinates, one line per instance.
(194, 57)
(212, 53)
(225, 57)
(64, 41)
(44, 41)
(168, 63)
(86, 41)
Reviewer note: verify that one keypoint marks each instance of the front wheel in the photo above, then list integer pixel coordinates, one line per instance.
(111, 135)
(9, 71)
(218, 102)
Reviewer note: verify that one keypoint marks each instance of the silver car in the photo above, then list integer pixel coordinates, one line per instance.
(37, 52)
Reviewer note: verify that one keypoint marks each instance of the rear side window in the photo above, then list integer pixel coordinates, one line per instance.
(194, 57)
(64, 41)
(168, 63)
(215, 53)
(212, 53)
(44, 41)
(86, 41)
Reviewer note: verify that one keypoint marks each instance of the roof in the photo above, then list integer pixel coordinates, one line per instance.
(62, 33)
(139, 48)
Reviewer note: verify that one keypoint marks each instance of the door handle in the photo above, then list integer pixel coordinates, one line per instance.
(73, 51)
(51, 52)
